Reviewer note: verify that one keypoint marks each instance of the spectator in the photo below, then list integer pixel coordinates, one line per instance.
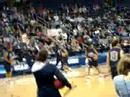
(122, 81)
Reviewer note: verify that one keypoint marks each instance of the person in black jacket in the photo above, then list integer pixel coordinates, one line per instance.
(45, 75)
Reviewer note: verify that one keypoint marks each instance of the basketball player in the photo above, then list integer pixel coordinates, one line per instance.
(114, 55)
(64, 60)
(45, 74)
(8, 59)
(92, 56)
(58, 55)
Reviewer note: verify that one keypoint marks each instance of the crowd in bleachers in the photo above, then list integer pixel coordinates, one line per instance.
(26, 31)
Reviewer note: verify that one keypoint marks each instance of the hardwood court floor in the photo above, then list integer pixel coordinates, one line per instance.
(95, 86)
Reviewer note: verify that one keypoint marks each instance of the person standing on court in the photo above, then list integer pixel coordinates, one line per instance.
(57, 53)
(64, 60)
(8, 59)
(45, 75)
(92, 56)
(113, 56)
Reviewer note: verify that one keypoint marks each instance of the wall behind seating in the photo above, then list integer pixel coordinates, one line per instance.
(56, 3)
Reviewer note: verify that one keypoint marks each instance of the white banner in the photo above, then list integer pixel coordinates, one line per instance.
(54, 32)
(21, 67)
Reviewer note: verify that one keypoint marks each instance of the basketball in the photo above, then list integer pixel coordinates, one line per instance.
(58, 84)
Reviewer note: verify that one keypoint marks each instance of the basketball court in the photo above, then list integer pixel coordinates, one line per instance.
(84, 86)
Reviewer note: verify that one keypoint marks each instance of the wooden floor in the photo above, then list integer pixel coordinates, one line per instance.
(93, 86)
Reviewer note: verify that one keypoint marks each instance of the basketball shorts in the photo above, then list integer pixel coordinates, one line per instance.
(93, 63)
